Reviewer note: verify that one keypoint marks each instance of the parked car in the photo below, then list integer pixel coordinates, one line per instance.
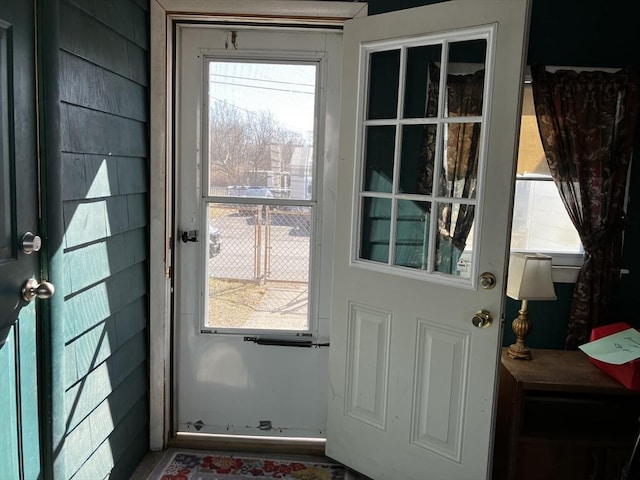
(215, 242)
(249, 191)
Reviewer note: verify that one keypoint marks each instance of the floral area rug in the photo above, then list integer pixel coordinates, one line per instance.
(187, 465)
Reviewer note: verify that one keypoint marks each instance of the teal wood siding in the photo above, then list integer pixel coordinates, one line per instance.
(103, 91)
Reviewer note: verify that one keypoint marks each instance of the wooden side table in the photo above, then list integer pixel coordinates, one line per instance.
(560, 417)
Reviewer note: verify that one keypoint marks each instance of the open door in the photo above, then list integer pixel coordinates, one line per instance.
(431, 108)
(20, 453)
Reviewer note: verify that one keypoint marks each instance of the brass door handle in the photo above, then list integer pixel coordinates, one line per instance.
(482, 319)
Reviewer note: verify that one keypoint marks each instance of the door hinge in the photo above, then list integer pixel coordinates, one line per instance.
(169, 271)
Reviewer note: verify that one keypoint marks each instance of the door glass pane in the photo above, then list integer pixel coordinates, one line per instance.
(379, 153)
(440, 135)
(422, 81)
(384, 75)
(455, 227)
(412, 234)
(257, 268)
(459, 174)
(375, 228)
(465, 80)
(261, 123)
(417, 159)
(260, 135)
(6, 190)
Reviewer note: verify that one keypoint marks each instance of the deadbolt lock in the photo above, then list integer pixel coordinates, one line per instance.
(30, 243)
(487, 280)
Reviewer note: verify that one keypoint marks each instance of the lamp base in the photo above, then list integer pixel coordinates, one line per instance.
(514, 351)
(521, 327)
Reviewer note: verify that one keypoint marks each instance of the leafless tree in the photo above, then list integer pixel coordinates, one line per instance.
(240, 144)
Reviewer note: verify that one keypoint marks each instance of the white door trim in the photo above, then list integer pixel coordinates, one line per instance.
(162, 15)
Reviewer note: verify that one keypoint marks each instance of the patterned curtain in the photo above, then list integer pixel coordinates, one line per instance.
(587, 123)
(458, 177)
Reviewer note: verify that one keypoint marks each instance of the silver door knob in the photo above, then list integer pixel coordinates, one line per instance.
(482, 319)
(32, 289)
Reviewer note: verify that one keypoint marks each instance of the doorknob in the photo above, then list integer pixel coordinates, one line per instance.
(482, 319)
(32, 289)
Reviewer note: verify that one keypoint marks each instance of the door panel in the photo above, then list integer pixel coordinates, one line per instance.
(18, 160)
(252, 290)
(412, 380)
(19, 435)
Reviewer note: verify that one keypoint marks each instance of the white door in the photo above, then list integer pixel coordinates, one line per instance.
(429, 119)
(257, 121)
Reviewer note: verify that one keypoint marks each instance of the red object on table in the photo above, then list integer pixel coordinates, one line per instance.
(628, 374)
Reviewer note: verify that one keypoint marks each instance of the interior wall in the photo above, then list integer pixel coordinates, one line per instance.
(100, 344)
(577, 33)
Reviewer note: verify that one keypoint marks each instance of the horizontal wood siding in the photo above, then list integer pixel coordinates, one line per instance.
(104, 113)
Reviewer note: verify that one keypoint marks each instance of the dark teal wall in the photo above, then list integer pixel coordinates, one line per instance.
(582, 33)
(548, 319)
(102, 385)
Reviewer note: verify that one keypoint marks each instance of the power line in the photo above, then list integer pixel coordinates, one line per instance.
(265, 88)
(263, 80)
(250, 112)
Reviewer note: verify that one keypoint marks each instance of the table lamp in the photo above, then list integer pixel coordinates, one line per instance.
(529, 278)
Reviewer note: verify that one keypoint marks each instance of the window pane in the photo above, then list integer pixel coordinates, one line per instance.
(258, 268)
(465, 79)
(459, 175)
(435, 153)
(384, 74)
(531, 157)
(375, 229)
(261, 121)
(417, 159)
(455, 227)
(540, 220)
(379, 153)
(422, 81)
(412, 234)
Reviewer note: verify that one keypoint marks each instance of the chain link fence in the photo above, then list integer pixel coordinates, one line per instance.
(258, 277)
(260, 243)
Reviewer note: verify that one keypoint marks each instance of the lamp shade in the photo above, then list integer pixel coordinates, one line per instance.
(529, 277)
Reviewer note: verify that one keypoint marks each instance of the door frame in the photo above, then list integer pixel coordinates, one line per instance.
(51, 312)
(163, 14)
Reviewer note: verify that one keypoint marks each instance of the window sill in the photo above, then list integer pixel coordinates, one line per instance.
(564, 274)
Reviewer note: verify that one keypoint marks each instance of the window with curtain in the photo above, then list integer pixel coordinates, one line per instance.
(587, 123)
(540, 219)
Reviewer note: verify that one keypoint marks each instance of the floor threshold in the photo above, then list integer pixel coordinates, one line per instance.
(246, 443)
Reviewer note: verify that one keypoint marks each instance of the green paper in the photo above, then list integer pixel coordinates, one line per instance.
(619, 348)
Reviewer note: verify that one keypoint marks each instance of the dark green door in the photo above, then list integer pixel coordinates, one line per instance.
(20, 456)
